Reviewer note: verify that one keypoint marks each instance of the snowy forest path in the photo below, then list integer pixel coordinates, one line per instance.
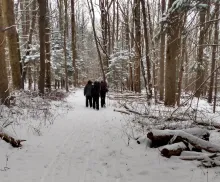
(86, 145)
(78, 158)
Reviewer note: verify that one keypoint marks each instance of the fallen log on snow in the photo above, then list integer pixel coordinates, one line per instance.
(7, 138)
(198, 158)
(173, 150)
(14, 143)
(199, 132)
(204, 123)
(159, 137)
(163, 137)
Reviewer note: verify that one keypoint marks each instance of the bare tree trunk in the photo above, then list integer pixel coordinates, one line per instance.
(113, 27)
(137, 45)
(162, 51)
(172, 54)
(29, 42)
(47, 48)
(154, 52)
(104, 28)
(8, 9)
(216, 90)
(73, 24)
(147, 51)
(181, 60)
(42, 8)
(200, 62)
(214, 50)
(65, 52)
(4, 90)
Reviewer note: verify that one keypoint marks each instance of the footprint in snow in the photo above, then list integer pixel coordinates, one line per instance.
(143, 173)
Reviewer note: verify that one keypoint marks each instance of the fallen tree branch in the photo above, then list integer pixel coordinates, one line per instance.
(121, 111)
(14, 143)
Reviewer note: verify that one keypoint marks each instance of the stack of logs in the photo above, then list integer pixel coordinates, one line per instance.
(189, 144)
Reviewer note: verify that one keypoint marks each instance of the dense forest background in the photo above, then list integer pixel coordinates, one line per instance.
(167, 49)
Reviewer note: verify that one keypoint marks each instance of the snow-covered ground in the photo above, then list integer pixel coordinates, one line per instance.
(87, 145)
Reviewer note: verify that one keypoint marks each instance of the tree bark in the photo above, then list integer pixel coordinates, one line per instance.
(74, 53)
(42, 8)
(47, 47)
(137, 84)
(8, 9)
(4, 90)
(162, 51)
(214, 51)
(147, 51)
(200, 61)
(171, 56)
(65, 51)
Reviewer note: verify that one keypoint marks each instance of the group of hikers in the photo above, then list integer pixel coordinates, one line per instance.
(93, 91)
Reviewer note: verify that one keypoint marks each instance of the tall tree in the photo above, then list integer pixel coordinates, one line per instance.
(73, 25)
(200, 52)
(8, 10)
(214, 51)
(147, 50)
(4, 90)
(64, 39)
(162, 50)
(137, 21)
(172, 54)
(47, 47)
(42, 13)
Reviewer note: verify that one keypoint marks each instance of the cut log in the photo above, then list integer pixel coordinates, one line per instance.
(163, 137)
(173, 150)
(14, 143)
(178, 135)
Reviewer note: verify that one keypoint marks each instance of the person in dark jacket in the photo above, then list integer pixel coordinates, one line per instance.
(103, 91)
(95, 95)
(88, 93)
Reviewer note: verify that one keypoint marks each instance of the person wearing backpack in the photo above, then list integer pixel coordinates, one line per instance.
(103, 91)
